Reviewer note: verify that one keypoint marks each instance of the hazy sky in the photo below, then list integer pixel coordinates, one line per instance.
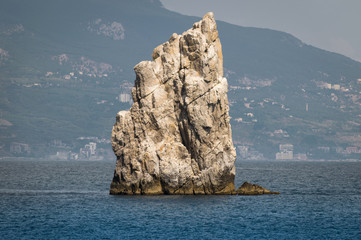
(333, 25)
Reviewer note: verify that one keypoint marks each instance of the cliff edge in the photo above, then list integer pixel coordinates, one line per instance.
(176, 138)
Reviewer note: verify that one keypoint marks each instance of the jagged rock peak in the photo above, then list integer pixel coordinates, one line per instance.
(176, 138)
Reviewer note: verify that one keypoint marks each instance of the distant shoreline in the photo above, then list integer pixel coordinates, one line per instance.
(43, 159)
(308, 160)
(29, 159)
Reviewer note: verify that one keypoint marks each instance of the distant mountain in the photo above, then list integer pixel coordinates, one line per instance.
(66, 69)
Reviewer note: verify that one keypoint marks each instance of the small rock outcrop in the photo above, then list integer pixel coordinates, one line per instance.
(253, 189)
(176, 138)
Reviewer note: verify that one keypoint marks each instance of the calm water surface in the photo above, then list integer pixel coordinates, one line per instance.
(70, 200)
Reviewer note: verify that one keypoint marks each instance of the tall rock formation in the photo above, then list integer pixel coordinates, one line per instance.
(176, 138)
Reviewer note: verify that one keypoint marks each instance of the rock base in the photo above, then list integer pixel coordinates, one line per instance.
(253, 189)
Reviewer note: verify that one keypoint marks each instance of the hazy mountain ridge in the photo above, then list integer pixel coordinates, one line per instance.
(64, 64)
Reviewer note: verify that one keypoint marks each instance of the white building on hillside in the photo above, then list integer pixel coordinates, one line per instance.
(285, 153)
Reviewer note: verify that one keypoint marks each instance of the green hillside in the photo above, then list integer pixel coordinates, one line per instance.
(64, 64)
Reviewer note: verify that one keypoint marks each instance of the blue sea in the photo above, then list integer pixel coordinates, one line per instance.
(70, 200)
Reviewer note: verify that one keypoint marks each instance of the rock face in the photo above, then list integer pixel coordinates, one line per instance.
(176, 138)
(253, 189)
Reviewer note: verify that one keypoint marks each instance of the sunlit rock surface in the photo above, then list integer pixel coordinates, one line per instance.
(176, 138)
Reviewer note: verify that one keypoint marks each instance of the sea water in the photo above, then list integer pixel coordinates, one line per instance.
(70, 200)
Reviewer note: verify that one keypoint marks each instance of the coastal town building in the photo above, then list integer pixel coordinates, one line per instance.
(19, 148)
(285, 153)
